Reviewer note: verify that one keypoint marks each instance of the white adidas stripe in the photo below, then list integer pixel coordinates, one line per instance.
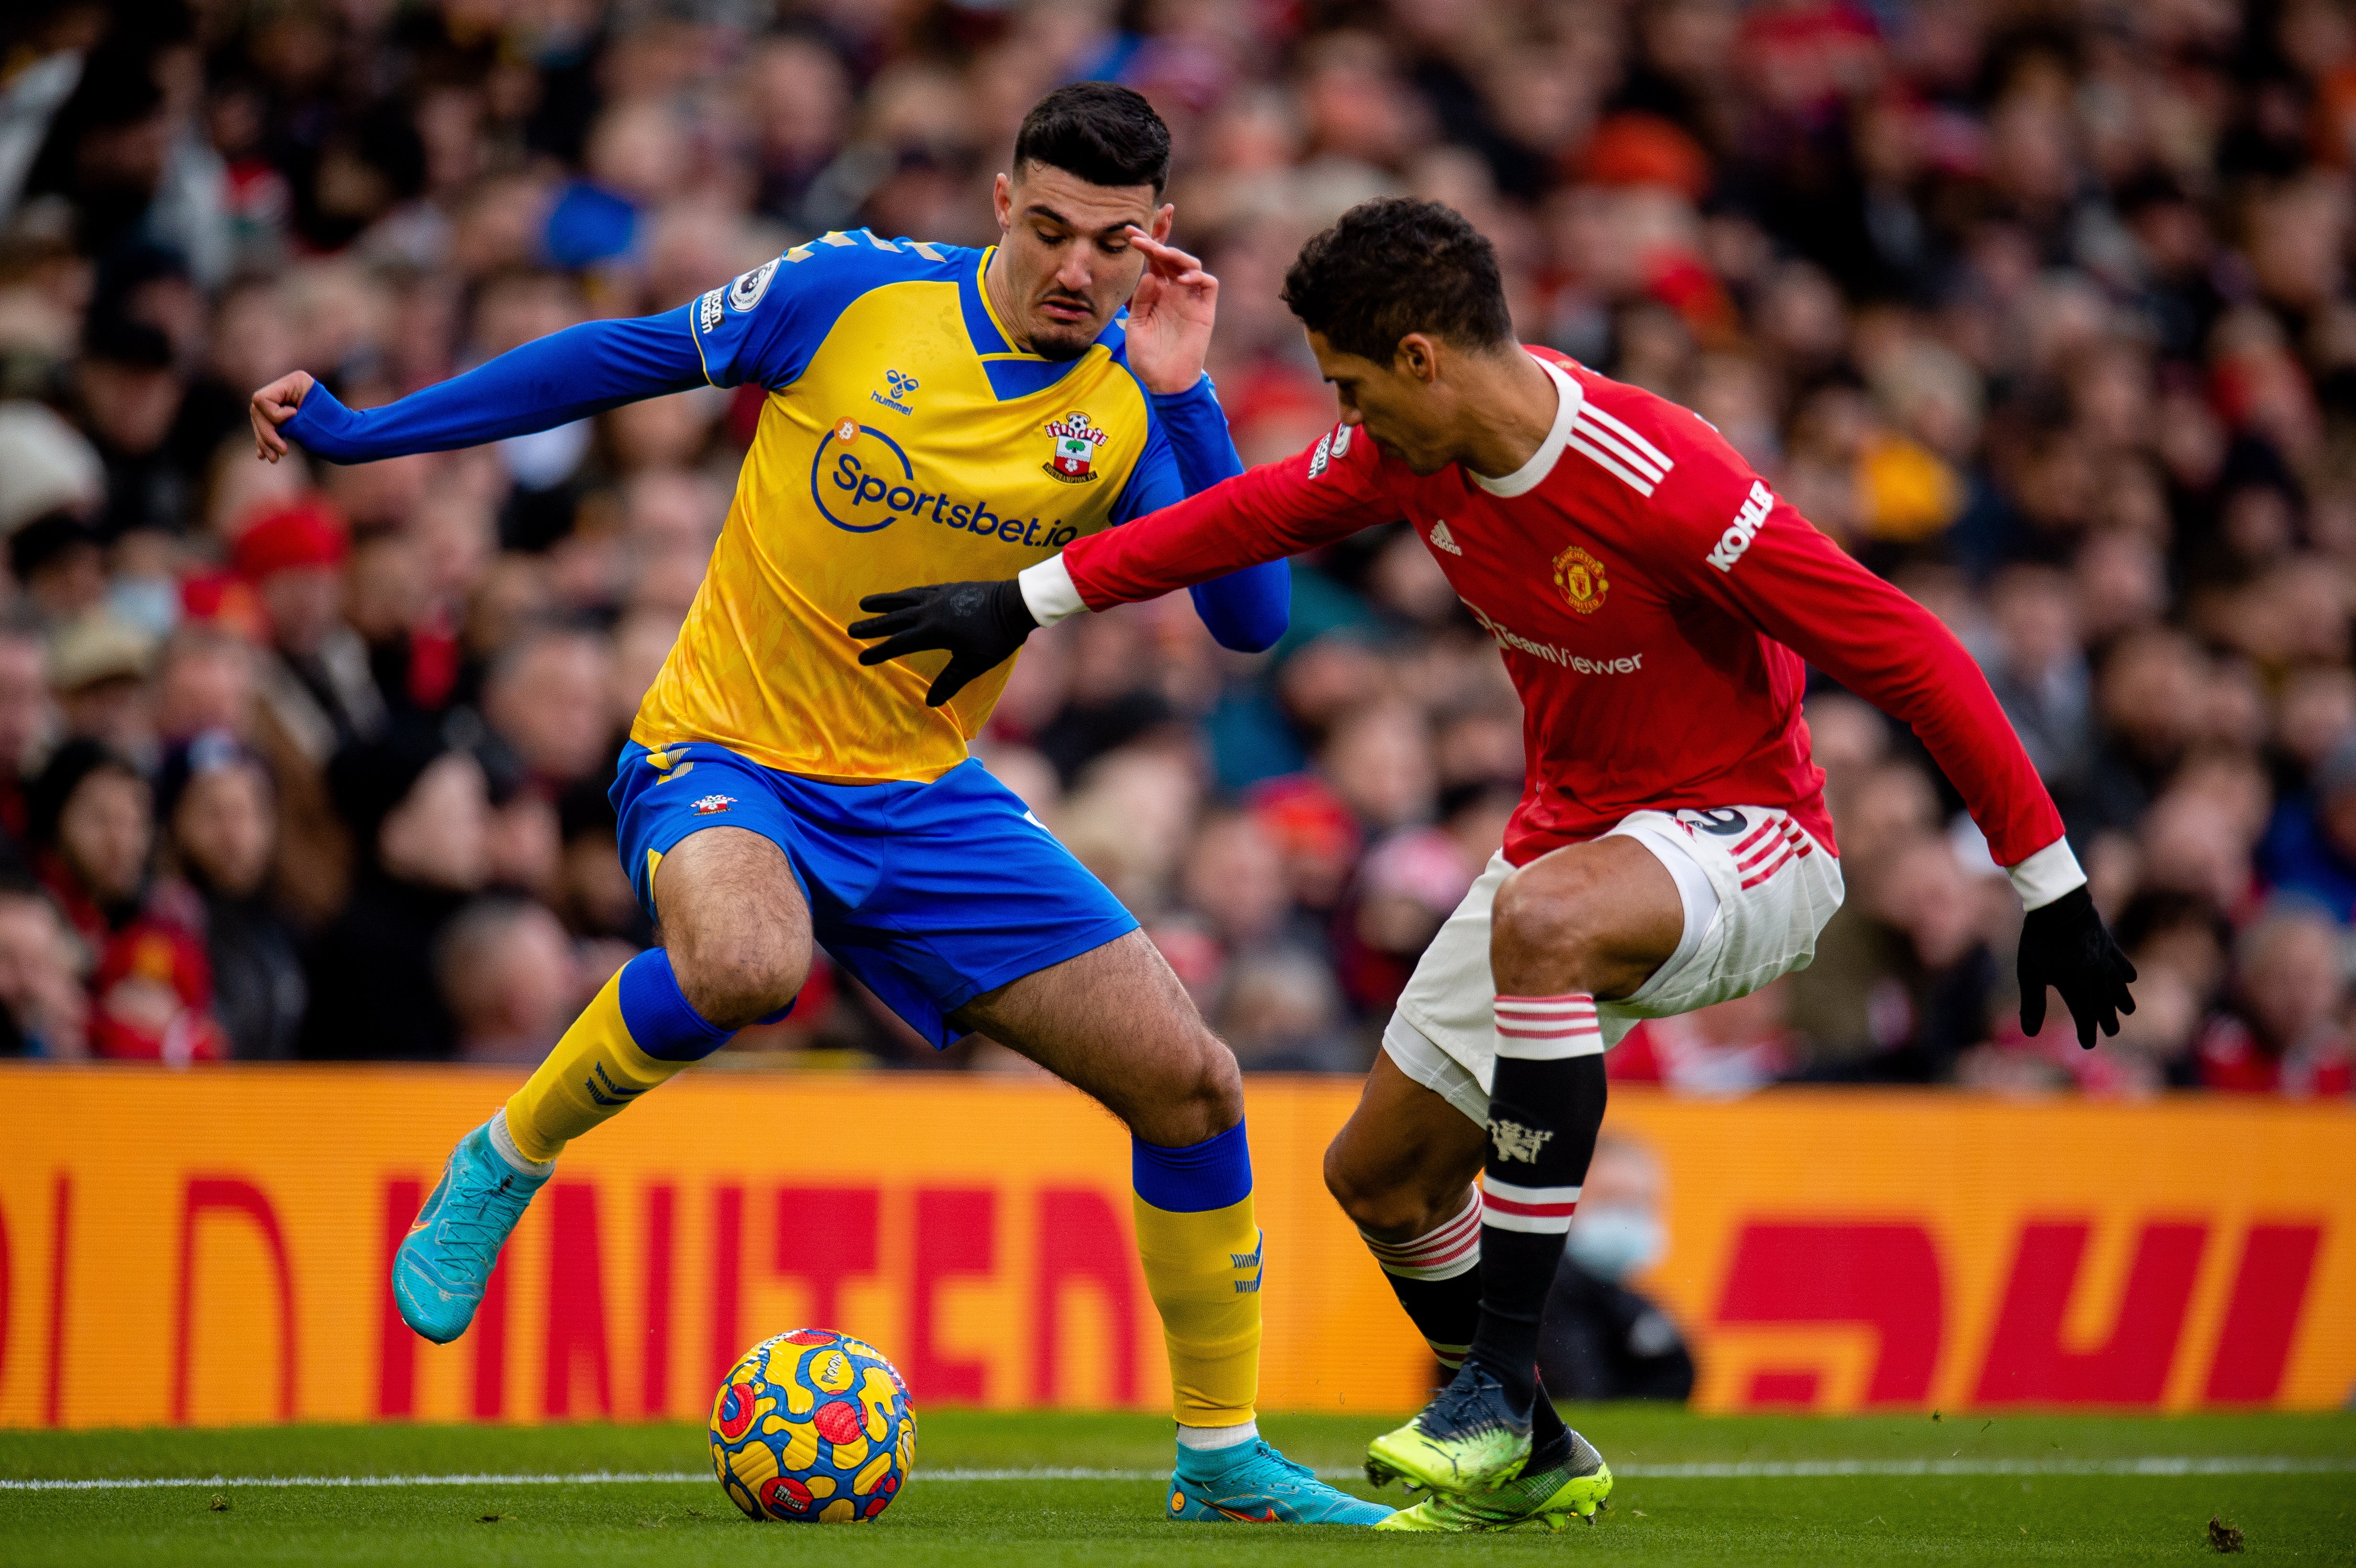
(1611, 443)
(1580, 443)
(1622, 428)
(1623, 450)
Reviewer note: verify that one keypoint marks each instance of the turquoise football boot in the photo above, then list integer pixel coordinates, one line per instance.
(1251, 1483)
(444, 1263)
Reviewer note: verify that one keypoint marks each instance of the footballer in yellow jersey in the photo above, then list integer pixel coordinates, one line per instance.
(932, 412)
(904, 435)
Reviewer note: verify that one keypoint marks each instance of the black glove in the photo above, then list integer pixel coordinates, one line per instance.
(981, 624)
(2065, 945)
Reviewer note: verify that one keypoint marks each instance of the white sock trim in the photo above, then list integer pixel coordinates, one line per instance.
(1548, 1029)
(504, 1142)
(1450, 1248)
(1211, 1439)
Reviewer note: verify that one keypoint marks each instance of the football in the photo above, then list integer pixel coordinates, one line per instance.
(813, 1426)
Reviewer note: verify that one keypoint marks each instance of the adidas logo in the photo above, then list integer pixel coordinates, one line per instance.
(1442, 539)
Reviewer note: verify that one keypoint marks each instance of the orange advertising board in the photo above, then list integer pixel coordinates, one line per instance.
(210, 1247)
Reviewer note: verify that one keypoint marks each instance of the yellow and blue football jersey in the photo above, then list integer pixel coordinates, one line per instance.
(904, 439)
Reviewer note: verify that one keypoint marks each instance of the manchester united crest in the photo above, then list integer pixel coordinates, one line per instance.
(1579, 576)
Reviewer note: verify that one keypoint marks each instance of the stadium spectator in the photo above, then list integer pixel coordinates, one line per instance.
(420, 814)
(97, 677)
(547, 696)
(150, 985)
(218, 807)
(317, 688)
(43, 1009)
(26, 718)
(2287, 1032)
(506, 971)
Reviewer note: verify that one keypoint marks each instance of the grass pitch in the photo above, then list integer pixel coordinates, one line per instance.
(1692, 1490)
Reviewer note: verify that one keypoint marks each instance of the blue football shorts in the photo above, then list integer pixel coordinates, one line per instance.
(929, 894)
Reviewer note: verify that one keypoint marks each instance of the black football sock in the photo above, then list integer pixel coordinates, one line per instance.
(1437, 1277)
(1546, 1106)
(1549, 1436)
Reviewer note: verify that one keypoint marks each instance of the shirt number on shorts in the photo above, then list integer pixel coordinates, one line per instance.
(1717, 824)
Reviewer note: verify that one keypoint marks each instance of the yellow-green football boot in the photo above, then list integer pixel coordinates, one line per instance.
(1467, 1439)
(1573, 1488)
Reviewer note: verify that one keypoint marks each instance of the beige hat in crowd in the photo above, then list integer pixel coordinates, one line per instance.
(94, 647)
(44, 464)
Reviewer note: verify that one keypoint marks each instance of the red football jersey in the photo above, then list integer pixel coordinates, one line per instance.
(1652, 600)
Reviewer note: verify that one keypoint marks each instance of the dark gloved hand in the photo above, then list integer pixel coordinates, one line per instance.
(981, 625)
(2065, 945)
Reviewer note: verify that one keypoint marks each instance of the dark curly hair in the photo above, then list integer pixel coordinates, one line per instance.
(1103, 133)
(1396, 265)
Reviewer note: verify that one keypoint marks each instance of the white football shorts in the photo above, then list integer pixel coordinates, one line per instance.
(1757, 891)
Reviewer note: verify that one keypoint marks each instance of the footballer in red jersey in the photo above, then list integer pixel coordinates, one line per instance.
(1657, 605)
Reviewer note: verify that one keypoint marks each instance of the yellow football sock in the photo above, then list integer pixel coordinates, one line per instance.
(1204, 1272)
(594, 1071)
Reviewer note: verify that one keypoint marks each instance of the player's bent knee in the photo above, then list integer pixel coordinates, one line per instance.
(733, 984)
(1216, 1086)
(1202, 1097)
(1551, 910)
(1376, 1199)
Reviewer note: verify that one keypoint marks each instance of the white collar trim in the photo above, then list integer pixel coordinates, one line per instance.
(1531, 475)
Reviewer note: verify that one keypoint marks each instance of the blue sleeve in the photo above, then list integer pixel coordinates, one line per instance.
(553, 380)
(1188, 451)
(765, 326)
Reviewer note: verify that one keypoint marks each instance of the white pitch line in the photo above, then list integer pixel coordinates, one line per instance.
(2157, 1465)
(1736, 1470)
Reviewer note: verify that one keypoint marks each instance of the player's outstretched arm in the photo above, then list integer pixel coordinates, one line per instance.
(553, 380)
(1264, 515)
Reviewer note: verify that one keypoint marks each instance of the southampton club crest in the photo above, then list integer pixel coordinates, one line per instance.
(1076, 438)
(1579, 576)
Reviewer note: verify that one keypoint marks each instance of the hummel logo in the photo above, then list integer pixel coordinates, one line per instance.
(1250, 1260)
(1519, 1143)
(1442, 539)
(605, 1091)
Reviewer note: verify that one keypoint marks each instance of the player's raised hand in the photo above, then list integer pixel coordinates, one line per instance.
(981, 625)
(1170, 316)
(2065, 945)
(272, 406)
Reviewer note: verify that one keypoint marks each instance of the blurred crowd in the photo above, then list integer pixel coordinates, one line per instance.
(2042, 309)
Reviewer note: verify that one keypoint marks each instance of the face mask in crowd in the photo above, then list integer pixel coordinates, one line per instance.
(1613, 1242)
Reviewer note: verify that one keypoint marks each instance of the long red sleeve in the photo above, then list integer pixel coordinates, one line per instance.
(1800, 589)
(1277, 509)
(1652, 600)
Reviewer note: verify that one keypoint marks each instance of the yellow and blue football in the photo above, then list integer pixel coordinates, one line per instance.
(813, 1426)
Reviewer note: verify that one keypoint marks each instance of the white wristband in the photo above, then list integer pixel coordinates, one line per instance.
(1048, 592)
(2046, 875)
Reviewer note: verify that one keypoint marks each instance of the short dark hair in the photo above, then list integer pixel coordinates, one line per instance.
(1104, 132)
(1396, 265)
